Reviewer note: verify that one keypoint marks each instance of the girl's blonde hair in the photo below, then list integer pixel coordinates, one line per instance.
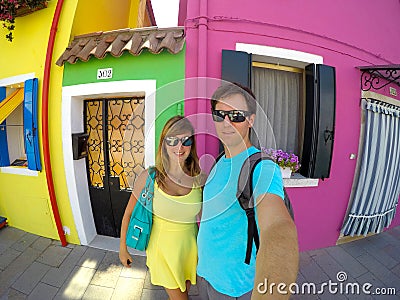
(175, 126)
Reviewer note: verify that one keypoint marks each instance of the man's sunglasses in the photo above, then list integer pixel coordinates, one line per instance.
(173, 141)
(236, 116)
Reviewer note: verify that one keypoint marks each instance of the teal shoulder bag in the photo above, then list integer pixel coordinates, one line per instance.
(139, 229)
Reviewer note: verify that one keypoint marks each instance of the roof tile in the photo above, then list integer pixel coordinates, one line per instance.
(98, 44)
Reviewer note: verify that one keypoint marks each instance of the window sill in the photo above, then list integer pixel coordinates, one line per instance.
(298, 180)
(18, 171)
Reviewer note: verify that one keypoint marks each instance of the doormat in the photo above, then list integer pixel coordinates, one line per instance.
(3, 222)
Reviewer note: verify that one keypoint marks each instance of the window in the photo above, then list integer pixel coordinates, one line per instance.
(18, 125)
(298, 100)
(279, 92)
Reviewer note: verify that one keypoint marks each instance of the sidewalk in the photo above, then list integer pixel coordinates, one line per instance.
(33, 267)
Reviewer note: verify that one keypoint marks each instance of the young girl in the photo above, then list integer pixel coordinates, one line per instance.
(172, 249)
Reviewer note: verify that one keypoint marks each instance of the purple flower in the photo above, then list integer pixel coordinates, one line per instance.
(282, 158)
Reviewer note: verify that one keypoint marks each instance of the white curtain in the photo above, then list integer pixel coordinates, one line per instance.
(376, 187)
(278, 93)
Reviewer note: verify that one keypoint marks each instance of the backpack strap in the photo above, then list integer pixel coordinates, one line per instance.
(247, 202)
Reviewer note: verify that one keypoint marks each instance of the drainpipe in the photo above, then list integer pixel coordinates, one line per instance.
(45, 122)
(202, 74)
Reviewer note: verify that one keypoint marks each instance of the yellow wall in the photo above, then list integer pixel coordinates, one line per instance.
(101, 15)
(25, 200)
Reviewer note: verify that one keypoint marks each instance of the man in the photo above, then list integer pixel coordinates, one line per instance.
(222, 272)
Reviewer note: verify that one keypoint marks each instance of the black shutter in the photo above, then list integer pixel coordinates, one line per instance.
(319, 121)
(236, 67)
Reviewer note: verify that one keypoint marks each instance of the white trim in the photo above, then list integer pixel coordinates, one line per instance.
(372, 216)
(380, 97)
(298, 180)
(291, 58)
(19, 171)
(16, 79)
(280, 53)
(72, 122)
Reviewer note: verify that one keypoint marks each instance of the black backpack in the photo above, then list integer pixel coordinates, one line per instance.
(244, 195)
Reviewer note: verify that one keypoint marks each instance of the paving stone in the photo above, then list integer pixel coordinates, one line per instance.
(393, 252)
(17, 267)
(108, 272)
(301, 297)
(396, 270)
(330, 266)
(57, 276)
(9, 236)
(380, 255)
(128, 288)
(138, 268)
(41, 243)
(54, 255)
(25, 241)
(328, 296)
(43, 291)
(312, 272)
(7, 257)
(148, 285)
(94, 292)
(351, 265)
(12, 294)
(30, 278)
(379, 271)
(92, 258)
(74, 256)
(392, 237)
(157, 295)
(76, 284)
(371, 279)
(193, 290)
(356, 248)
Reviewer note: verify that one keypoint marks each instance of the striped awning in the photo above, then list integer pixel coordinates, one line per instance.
(8, 105)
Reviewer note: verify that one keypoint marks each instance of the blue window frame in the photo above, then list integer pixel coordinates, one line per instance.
(30, 128)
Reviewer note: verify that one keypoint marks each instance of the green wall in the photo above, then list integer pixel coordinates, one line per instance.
(167, 69)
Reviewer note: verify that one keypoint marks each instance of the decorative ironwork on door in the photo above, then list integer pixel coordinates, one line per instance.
(115, 157)
(124, 139)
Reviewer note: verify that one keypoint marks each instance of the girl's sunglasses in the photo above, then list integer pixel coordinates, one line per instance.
(173, 141)
(236, 116)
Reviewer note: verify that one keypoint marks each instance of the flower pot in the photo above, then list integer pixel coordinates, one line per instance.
(286, 172)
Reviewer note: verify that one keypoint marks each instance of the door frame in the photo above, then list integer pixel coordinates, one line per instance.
(72, 122)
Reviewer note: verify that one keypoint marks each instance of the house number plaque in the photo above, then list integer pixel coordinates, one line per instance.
(104, 73)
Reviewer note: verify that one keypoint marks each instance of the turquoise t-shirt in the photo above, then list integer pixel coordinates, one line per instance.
(222, 237)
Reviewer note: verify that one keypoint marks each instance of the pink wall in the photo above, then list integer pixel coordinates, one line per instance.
(346, 34)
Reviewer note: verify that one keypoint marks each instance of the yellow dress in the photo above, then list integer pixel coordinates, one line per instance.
(172, 249)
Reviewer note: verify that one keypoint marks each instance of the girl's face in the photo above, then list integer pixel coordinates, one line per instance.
(178, 146)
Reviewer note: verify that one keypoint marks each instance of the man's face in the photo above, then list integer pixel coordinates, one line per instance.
(234, 134)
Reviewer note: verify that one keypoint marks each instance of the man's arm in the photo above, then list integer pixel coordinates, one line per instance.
(278, 256)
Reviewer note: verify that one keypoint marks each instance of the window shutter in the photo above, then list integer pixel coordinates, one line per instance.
(236, 67)
(4, 157)
(31, 124)
(319, 121)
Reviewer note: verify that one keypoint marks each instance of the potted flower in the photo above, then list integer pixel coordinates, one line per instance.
(10, 9)
(289, 162)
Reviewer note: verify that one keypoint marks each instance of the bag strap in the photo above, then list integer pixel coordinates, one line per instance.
(149, 185)
(246, 199)
(244, 195)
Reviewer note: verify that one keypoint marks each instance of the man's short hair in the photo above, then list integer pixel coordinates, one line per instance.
(228, 89)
